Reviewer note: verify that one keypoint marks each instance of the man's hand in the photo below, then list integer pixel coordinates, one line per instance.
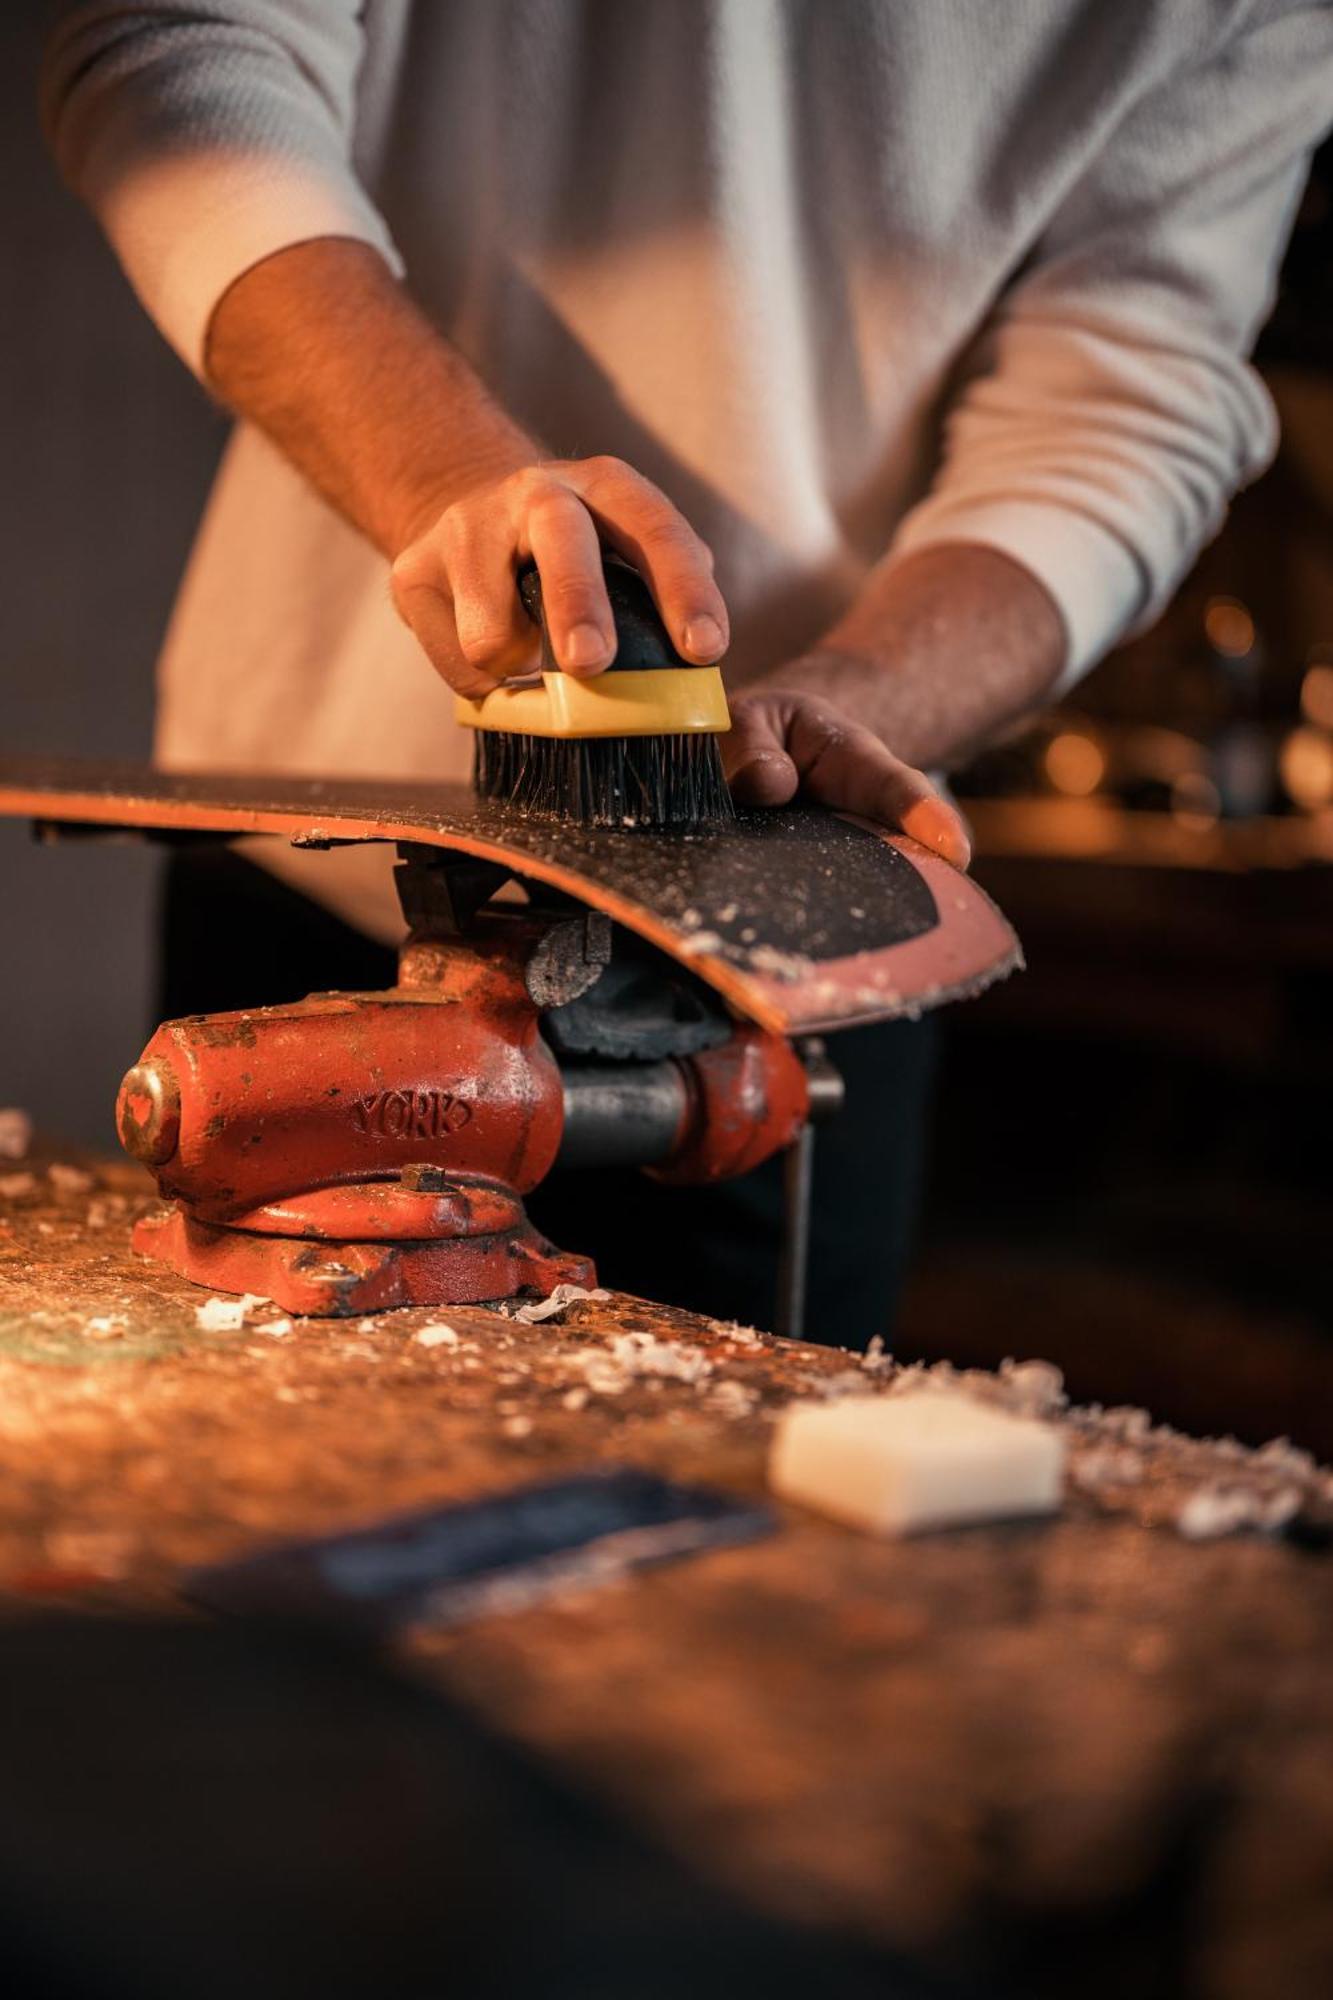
(783, 741)
(454, 583)
(325, 351)
(941, 651)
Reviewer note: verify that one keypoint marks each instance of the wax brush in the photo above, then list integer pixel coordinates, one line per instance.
(635, 746)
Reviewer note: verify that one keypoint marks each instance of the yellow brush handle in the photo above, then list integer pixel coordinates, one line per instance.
(651, 701)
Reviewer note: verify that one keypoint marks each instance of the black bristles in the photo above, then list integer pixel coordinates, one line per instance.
(648, 781)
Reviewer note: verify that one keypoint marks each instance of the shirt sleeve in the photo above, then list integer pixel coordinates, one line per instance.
(1107, 413)
(205, 139)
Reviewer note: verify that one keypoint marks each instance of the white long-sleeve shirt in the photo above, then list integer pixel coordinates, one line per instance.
(842, 276)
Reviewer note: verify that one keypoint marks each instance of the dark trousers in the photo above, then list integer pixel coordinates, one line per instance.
(234, 937)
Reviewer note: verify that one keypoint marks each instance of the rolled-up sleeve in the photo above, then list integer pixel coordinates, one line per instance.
(205, 138)
(1108, 413)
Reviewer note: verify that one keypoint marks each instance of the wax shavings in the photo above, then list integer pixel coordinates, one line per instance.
(1107, 1466)
(733, 1399)
(676, 1360)
(227, 1315)
(877, 1360)
(564, 1296)
(1213, 1511)
(1033, 1388)
(631, 1357)
(787, 966)
(105, 1326)
(733, 1330)
(1281, 1456)
(602, 1375)
(437, 1334)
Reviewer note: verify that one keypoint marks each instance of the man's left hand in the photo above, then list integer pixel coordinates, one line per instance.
(784, 741)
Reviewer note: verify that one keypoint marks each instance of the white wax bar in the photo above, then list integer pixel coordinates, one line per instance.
(925, 1459)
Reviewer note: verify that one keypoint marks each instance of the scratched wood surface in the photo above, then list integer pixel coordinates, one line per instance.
(1091, 1733)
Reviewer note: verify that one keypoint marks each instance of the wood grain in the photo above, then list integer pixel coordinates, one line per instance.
(1089, 1752)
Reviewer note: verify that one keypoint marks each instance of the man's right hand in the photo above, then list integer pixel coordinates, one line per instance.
(454, 583)
(321, 347)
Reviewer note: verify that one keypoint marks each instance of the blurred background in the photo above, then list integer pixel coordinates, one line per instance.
(109, 448)
(1140, 1125)
(1137, 1128)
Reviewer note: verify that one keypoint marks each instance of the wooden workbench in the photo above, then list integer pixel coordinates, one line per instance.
(1092, 1726)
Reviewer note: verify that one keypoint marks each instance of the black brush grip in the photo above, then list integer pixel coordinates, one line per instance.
(641, 637)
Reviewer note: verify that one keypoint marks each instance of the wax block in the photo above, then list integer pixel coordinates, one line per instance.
(925, 1459)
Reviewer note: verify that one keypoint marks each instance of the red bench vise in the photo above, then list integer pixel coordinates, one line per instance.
(351, 1152)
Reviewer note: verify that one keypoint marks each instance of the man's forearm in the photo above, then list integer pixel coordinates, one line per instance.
(324, 351)
(940, 652)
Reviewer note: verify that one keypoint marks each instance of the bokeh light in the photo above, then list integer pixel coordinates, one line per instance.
(1317, 693)
(1306, 768)
(1229, 627)
(1196, 802)
(1075, 764)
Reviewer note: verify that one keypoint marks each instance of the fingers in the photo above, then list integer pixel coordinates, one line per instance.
(495, 634)
(642, 524)
(780, 742)
(421, 596)
(562, 540)
(455, 585)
